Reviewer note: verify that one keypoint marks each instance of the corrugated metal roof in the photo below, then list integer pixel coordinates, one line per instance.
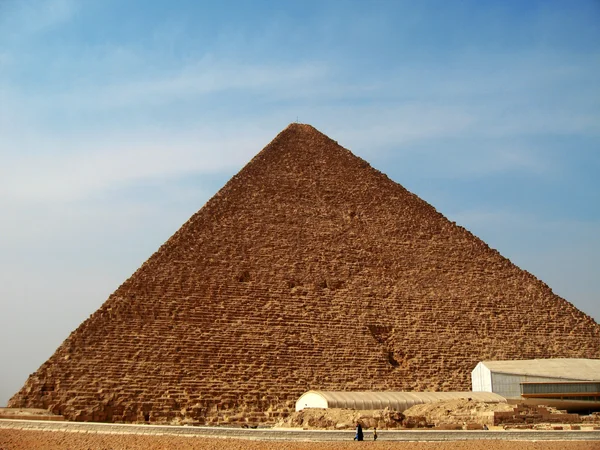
(398, 401)
(562, 368)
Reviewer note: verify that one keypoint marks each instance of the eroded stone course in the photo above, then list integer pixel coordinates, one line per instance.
(308, 270)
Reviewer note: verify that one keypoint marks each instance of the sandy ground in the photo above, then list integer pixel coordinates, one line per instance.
(38, 440)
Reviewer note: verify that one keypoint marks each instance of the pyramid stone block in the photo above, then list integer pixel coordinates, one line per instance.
(309, 269)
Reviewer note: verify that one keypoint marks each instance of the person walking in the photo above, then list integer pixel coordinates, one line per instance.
(359, 432)
(374, 434)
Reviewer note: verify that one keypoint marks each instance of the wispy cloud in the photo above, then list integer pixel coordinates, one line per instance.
(71, 172)
(125, 118)
(466, 160)
(375, 126)
(206, 77)
(24, 18)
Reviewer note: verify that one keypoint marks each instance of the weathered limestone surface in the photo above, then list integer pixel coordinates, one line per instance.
(308, 270)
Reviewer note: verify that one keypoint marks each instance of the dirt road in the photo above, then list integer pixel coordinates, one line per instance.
(58, 440)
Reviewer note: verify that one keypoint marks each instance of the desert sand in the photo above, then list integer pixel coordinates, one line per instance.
(45, 440)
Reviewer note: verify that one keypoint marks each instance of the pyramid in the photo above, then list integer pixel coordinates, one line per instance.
(308, 270)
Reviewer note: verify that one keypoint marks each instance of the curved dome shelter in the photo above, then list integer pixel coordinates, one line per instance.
(398, 401)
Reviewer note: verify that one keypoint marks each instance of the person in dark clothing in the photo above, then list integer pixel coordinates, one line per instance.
(359, 432)
(374, 434)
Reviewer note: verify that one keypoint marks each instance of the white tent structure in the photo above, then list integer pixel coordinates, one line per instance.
(398, 401)
(505, 377)
(566, 383)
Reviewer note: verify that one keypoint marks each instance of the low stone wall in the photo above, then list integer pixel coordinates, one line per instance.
(26, 417)
(531, 414)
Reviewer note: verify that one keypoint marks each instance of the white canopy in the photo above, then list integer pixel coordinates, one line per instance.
(564, 368)
(398, 401)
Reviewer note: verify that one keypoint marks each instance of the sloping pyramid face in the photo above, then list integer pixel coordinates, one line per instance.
(308, 270)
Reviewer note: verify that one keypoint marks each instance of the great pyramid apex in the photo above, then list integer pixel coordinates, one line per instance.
(308, 270)
(302, 127)
(310, 139)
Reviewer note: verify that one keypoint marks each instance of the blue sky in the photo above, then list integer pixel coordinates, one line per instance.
(118, 120)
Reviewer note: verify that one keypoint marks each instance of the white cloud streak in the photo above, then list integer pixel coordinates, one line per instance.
(75, 171)
(39, 161)
(207, 77)
(26, 18)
